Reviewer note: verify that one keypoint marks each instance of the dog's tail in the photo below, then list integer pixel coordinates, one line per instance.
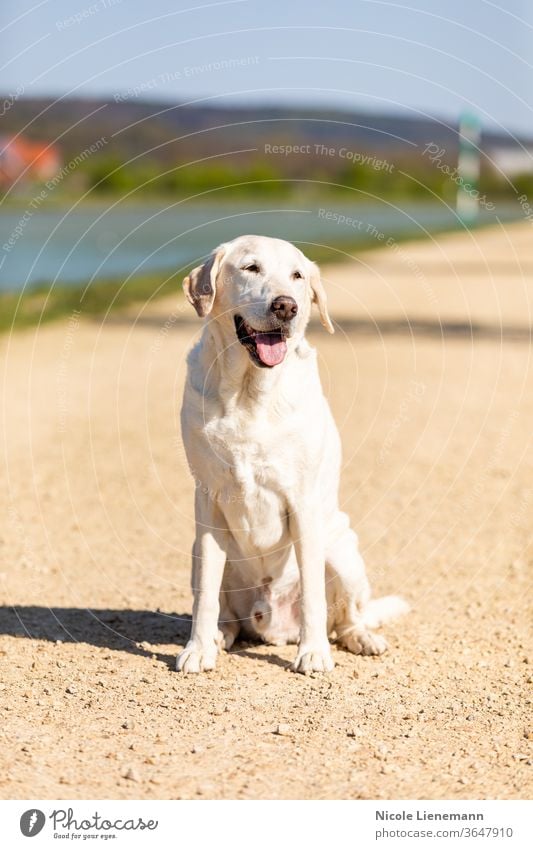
(381, 610)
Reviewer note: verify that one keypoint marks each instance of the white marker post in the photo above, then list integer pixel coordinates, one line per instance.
(469, 166)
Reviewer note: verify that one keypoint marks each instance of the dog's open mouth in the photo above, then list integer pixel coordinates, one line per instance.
(267, 349)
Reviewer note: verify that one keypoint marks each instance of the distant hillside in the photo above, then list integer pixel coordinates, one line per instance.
(166, 133)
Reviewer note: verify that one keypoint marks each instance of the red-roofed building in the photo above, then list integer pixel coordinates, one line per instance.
(22, 159)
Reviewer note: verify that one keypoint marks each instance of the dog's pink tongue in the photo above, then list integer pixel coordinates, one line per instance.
(271, 348)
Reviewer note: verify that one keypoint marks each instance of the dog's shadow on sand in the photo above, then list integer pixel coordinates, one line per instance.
(131, 631)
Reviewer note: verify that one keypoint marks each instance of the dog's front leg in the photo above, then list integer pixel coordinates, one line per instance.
(209, 559)
(314, 653)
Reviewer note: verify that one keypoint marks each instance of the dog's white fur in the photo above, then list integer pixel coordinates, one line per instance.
(273, 554)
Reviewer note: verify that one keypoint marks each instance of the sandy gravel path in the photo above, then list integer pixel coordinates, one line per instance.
(430, 381)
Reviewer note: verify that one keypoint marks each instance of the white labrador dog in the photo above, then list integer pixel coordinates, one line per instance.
(273, 554)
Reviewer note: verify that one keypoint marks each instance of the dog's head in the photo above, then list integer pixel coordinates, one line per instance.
(260, 290)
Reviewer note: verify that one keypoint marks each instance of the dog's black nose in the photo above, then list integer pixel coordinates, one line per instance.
(284, 307)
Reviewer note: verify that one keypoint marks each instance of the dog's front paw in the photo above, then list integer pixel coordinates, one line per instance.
(195, 659)
(313, 660)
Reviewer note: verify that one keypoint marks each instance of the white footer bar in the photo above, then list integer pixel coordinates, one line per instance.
(268, 824)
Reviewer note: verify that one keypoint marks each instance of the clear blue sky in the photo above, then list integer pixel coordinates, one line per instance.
(427, 56)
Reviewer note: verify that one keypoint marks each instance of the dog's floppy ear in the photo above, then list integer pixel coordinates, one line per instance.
(319, 297)
(200, 285)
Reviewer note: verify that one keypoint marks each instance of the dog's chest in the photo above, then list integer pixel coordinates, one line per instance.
(253, 476)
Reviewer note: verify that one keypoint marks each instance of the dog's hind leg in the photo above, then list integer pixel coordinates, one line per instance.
(228, 623)
(348, 594)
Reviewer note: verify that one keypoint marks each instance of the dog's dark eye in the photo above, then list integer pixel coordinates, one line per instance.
(253, 267)
(297, 275)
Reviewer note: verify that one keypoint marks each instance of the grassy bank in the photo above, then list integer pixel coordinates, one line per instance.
(44, 303)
